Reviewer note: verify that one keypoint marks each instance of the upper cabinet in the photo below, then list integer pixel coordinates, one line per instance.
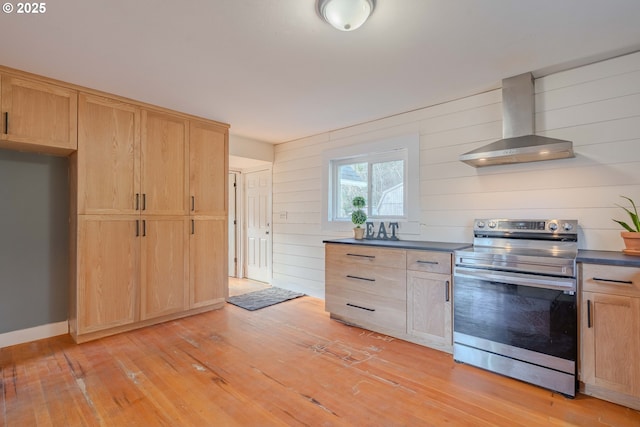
(207, 169)
(164, 154)
(37, 116)
(108, 156)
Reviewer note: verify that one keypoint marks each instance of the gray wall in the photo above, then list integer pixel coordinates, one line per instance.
(34, 240)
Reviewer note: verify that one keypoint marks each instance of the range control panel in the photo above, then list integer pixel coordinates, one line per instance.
(527, 225)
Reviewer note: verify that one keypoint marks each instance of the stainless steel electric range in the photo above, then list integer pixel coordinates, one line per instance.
(515, 301)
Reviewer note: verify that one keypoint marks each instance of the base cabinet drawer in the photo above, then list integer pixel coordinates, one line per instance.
(363, 256)
(381, 281)
(368, 309)
(429, 262)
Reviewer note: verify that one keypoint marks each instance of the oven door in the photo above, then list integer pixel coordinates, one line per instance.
(523, 316)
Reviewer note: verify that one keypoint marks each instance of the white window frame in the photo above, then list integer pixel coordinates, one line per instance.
(409, 146)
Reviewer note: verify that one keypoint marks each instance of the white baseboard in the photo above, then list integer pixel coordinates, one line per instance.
(33, 334)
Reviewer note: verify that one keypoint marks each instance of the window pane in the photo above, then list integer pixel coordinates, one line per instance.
(387, 189)
(352, 182)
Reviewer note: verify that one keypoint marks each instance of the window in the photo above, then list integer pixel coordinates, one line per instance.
(384, 172)
(379, 178)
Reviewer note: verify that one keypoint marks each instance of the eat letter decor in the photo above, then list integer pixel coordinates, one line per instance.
(382, 232)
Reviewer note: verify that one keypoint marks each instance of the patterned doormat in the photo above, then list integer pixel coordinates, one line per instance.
(263, 298)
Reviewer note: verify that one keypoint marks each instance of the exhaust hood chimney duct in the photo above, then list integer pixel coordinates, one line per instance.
(519, 143)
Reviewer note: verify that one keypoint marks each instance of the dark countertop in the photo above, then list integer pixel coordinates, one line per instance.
(403, 244)
(608, 258)
(584, 255)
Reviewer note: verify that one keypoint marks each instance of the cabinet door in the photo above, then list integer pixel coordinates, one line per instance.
(108, 156)
(610, 333)
(38, 116)
(164, 180)
(108, 273)
(208, 169)
(429, 309)
(208, 262)
(164, 266)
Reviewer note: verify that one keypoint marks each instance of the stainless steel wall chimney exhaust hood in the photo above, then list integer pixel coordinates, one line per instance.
(519, 143)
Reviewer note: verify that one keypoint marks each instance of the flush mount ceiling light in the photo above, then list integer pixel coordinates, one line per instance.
(346, 15)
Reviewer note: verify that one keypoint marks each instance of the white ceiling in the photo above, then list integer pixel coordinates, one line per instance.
(276, 72)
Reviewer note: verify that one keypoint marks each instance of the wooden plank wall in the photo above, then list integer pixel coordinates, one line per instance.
(596, 106)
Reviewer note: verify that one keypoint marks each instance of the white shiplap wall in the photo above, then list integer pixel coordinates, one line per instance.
(595, 106)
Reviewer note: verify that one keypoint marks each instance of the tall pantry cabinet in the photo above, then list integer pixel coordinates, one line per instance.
(145, 251)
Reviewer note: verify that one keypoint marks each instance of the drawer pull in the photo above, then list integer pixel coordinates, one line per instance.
(362, 256)
(428, 262)
(360, 278)
(361, 308)
(626, 282)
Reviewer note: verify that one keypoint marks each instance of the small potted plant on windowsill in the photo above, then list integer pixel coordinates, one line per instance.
(631, 237)
(358, 217)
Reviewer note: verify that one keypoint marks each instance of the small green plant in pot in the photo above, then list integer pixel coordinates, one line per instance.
(631, 236)
(358, 216)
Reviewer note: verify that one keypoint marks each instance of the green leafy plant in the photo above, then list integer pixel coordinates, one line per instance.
(634, 227)
(358, 217)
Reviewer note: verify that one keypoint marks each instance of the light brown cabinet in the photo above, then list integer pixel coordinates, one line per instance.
(37, 116)
(148, 200)
(164, 153)
(208, 168)
(108, 274)
(402, 293)
(610, 333)
(165, 266)
(108, 156)
(133, 168)
(429, 315)
(208, 262)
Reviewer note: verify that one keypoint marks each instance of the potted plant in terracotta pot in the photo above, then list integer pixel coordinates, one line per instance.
(631, 236)
(358, 217)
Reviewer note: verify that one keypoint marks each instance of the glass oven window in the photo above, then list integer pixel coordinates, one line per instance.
(540, 320)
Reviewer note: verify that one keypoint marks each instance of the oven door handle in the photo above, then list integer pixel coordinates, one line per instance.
(509, 278)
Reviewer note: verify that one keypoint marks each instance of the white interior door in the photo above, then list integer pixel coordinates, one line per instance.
(258, 209)
(233, 258)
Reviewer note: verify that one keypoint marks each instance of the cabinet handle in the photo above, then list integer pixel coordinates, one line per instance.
(362, 256)
(626, 282)
(446, 291)
(144, 228)
(6, 122)
(361, 308)
(193, 203)
(137, 227)
(428, 262)
(589, 313)
(137, 201)
(144, 201)
(360, 278)
(193, 226)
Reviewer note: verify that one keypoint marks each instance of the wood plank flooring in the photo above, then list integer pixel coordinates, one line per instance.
(285, 365)
(243, 286)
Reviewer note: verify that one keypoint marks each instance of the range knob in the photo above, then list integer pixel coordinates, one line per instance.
(492, 224)
(553, 226)
(567, 227)
(480, 224)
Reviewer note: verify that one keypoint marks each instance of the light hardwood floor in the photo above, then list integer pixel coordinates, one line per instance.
(287, 364)
(243, 286)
